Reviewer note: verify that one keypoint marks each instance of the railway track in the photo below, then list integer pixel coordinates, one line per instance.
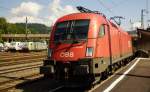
(20, 68)
(6, 54)
(17, 69)
(10, 77)
(15, 55)
(20, 62)
(10, 84)
(20, 57)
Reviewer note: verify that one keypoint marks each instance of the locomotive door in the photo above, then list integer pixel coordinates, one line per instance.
(120, 46)
(102, 47)
(100, 41)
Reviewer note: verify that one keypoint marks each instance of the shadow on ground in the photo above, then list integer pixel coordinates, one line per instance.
(44, 85)
(40, 85)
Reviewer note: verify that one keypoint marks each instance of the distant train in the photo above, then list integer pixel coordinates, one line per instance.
(36, 46)
(86, 47)
(17, 46)
(25, 46)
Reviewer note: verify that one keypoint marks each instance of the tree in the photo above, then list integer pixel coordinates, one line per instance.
(3, 25)
(1, 36)
(19, 28)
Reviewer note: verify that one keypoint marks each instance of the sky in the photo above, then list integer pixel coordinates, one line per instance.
(48, 11)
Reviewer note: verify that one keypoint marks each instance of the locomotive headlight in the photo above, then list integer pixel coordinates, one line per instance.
(49, 52)
(89, 51)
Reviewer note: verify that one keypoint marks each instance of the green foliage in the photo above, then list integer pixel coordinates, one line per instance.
(19, 28)
(3, 25)
(35, 28)
(0, 36)
(14, 29)
(1, 41)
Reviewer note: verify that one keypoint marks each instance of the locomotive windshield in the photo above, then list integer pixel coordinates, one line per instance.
(71, 30)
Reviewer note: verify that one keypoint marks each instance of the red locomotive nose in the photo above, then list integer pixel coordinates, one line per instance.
(70, 39)
(69, 52)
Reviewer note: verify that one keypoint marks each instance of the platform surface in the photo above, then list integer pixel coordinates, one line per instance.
(133, 78)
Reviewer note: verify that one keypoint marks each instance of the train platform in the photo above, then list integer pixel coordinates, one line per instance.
(135, 77)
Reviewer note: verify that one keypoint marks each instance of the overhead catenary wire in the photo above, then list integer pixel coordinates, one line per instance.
(113, 3)
(119, 3)
(106, 7)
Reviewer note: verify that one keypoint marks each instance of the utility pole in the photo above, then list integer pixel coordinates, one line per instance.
(147, 11)
(131, 23)
(26, 28)
(142, 17)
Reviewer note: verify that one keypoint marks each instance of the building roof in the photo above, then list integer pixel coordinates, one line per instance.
(144, 32)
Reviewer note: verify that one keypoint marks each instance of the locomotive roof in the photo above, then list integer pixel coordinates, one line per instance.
(80, 16)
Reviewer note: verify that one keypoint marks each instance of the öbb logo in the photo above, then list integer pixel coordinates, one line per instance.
(66, 54)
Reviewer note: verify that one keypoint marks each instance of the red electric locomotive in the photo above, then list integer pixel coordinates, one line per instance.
(85, 46)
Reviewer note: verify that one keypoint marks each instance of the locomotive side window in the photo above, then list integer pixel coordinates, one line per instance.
(101, 31)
